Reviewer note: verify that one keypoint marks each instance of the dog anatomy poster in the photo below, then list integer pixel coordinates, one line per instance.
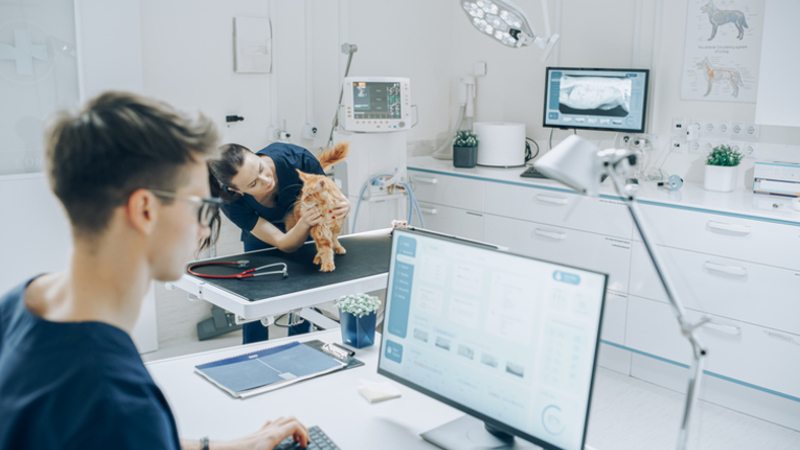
(723, 50)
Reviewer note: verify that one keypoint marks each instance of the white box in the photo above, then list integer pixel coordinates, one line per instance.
(776, 179)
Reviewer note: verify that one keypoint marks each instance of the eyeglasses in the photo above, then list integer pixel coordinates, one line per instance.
(209, 207)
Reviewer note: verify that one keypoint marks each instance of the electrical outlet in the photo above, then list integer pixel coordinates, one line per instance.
(695, 129)
(750, 150)
(724, 127)
(709, 127)
(679, 125)
(677, 146)
(751, 130)
(708, 146)
(737, 129)
(695, 147)
(625, 140)
(644, 142)
(310, 131)
(737, 146)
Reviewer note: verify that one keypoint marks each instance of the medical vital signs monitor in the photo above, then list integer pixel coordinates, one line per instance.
(596, 99)
(376, 104)
(510, 340)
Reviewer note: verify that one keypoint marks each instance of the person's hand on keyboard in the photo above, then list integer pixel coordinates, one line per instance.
(270, 435)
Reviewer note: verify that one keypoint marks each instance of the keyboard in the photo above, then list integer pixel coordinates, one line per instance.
(531, 172)
(319, 441)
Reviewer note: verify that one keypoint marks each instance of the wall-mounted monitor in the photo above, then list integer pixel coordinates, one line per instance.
(596, 99)
(376, 104)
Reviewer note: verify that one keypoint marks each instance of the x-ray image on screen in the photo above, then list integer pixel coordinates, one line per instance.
(596, 99)
(600, 96)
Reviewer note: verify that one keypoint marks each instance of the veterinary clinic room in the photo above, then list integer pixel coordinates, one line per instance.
(400, 225)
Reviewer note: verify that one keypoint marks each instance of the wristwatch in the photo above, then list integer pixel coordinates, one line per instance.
(204, 443)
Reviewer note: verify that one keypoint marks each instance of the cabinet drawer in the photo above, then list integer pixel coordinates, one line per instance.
(563, 209)
(468, 224)
(731, 288)
(745, 352)
(446, 190)
(746, 239)
(562, 245)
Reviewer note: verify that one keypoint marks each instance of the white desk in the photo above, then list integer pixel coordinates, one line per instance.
(626, 413)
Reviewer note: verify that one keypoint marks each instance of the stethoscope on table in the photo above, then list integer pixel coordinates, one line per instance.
(249, 273)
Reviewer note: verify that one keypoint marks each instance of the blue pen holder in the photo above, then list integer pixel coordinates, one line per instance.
(358, 332)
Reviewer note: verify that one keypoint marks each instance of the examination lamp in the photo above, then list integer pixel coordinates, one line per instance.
(506, 23)
(580, 164)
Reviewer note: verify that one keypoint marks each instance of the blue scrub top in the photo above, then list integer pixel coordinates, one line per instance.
(245, 211)
(75, 385)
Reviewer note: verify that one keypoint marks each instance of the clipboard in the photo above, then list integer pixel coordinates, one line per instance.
(271, 368)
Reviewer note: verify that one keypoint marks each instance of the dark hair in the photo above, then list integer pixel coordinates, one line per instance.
(116, 143)
(220, 175)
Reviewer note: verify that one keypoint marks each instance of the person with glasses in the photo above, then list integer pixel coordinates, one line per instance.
(259, 190)
(131, 174)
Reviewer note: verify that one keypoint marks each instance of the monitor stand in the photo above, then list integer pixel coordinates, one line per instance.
(469, 433)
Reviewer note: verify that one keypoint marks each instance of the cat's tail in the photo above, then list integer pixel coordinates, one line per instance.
(333, 155)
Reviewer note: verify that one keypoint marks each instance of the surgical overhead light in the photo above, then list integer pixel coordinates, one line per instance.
(506, 23)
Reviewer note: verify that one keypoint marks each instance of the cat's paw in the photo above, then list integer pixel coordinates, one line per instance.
(339, 250)
(327, 266)
(317, 260)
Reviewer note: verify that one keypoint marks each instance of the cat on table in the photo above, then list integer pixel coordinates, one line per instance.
(321, 192)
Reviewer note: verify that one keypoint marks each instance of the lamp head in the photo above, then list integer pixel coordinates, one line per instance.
(574, 162)
(502, 20)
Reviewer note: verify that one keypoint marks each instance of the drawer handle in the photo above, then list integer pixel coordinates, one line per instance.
(730, 270)
(551, 234)
(431, 211)
(426, 180)
(742, 229)
(551, 200)
(722, 328)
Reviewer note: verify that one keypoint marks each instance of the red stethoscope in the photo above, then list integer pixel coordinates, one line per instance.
(242, 264)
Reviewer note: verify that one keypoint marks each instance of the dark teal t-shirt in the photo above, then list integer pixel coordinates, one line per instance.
(246, 210)
(75, 385)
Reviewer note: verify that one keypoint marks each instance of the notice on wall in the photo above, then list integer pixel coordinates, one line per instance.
(723, 50)
(252, 43)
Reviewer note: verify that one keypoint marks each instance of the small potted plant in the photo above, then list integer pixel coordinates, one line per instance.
(465, 149)
(357, 315)
(722, 166)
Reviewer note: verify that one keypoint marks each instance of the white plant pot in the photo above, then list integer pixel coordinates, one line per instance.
(720, 178)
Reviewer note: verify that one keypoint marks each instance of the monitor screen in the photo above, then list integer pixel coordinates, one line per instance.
(508, 339)
(596, 99)
(376, 100)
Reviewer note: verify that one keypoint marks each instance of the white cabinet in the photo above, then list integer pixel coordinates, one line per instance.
(746, 239)
(446, 190)
(745, 352)
(597, 215)
(741, 290)
(460, 222)
(584, 250)
(742, 272)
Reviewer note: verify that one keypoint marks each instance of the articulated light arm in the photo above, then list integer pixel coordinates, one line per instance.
(580, 164)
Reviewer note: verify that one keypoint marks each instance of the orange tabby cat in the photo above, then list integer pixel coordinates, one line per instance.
(321, 191)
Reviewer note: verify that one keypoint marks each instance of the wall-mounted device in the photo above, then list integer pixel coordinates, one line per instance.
(376, 104)
(596, 99)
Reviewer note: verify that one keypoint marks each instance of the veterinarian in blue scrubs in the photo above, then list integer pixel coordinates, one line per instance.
(259, 190)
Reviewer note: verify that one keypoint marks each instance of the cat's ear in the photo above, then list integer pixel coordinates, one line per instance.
(303, 176)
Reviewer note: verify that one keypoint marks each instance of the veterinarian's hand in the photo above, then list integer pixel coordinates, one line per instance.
(341, 209)
(310, 216)
(269, 436)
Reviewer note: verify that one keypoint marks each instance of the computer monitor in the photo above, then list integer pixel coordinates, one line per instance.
(596, 99)
(510, 340)
(375, 104)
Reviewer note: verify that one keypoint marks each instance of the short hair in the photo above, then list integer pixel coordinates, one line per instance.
(117, 143)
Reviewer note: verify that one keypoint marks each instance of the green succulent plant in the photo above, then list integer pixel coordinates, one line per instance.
(465, 138)
(724, 155)
(358, 304)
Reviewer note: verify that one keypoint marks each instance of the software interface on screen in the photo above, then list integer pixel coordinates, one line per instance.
(612, 100)
(375, 100)
(506, 336)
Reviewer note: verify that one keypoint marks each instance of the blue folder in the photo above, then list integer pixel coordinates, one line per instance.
(268, 369)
